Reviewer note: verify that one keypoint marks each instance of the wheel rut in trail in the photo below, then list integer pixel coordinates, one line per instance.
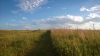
(43, 47)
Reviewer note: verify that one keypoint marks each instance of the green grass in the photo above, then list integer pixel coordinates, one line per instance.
(43, 47)
(18, 43)
(76, 42)
(56, 42)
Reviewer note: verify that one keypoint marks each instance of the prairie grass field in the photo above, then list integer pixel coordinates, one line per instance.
(76, 42)
(55, 42)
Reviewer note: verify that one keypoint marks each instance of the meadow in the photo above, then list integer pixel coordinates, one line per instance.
(55, 42)
(76, 42)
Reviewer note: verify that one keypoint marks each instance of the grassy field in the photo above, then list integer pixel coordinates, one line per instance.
(25, 43)
(56, 42)
(76, 42)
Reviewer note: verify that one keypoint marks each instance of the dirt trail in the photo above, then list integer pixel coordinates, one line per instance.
(43, 47)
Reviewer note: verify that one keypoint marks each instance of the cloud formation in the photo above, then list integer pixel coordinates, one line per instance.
(15, 12)
(65, 21)
(63, 8)
(71, 17)
(13, 20)
(59, 21)
(11, 24)
(26, 26)
(48, 7)
(30, 5)
(94, 8)
(95, 17)
(24, 18)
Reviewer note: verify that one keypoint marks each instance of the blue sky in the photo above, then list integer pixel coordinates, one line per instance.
(47, 14)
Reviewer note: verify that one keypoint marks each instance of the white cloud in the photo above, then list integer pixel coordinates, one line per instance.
(20, 14)
(93, 15)
(27, 26)
(21, 26)
(13, 20)
(75, 18)
(64, 8)
(65, 21)
(24, 18)
(59, 21)
(15, 12)
(7, 24)
(11, 24)
(95, 8)
(89, 25)
(22, 21)
(71, 17)
(48, 7)
(84, 9)
(30, 5)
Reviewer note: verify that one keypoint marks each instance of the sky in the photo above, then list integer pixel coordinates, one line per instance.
(48, 14)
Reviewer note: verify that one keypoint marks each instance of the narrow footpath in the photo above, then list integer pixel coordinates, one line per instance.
(43, 47)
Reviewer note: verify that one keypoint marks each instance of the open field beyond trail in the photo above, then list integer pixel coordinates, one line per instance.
(56, 42)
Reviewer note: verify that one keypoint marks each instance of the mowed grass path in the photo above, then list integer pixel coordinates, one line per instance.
(43, 47)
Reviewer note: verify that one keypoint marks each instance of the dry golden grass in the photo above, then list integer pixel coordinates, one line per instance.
(65, 42)
(18, 43)
(76, 42)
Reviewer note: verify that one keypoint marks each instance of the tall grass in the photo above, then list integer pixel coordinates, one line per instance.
(65, 42)
(76, 42)
(18, 43)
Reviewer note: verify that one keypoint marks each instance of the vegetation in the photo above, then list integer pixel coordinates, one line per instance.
(76, 42)
(56, 42)
(18, 43)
